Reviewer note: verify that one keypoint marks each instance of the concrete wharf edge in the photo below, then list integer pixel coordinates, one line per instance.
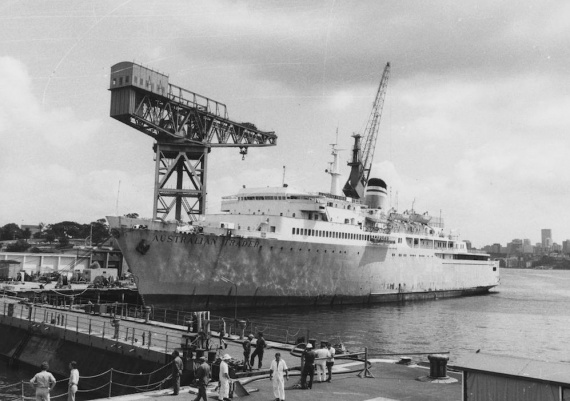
(391, 382)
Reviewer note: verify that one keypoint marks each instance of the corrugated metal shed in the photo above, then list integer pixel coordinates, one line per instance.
(554, 372)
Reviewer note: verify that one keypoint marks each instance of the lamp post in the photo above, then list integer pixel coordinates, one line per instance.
(235, 305)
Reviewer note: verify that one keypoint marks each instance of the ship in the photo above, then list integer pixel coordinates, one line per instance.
(285, 246)
(281, 246)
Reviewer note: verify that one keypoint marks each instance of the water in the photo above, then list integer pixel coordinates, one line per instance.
(526, 316)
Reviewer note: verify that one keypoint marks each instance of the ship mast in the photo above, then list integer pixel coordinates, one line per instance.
(333, 169)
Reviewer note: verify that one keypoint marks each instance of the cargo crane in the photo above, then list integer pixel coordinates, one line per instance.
(185, 126)
(362, 160)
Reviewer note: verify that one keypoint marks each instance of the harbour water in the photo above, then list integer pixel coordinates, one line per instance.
(526, 316)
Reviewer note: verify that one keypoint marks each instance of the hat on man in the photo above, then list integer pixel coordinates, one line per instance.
(309, 346)
(202, 358)
(250, 336)
(226, 357)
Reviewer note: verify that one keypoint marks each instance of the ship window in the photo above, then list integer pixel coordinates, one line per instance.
(271, 229)
(280, 214)
(114, 81)
(293, 214)
(127, 79)
(293, 232)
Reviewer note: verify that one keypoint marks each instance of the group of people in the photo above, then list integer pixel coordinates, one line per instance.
(44, 382)
(318, 361)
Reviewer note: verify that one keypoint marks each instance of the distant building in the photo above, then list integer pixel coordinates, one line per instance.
(33, 228)
(515, 246)
(546, 235)
(566, 246)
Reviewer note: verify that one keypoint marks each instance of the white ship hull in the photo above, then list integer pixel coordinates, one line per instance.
(185, 271)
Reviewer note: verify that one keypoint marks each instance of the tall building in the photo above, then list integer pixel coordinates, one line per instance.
(546, 237)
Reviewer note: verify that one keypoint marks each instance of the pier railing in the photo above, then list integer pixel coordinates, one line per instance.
(118, 322)
(230, 326)
(109, 383)
(123, 333)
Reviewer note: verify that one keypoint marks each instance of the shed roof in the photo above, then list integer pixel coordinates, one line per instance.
(558, 372)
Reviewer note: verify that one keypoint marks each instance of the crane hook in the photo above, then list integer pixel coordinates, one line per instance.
(243, 152)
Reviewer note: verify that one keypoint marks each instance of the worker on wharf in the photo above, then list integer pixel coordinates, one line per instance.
(246, 352)
(322, 355)
(330, 361)
(44, 382)
(224, 392)
(308, 367)
(259, 349)
(276, 371)
(177, 367)
(202, 379)
(73, 381)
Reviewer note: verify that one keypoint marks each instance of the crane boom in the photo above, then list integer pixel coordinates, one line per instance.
(361, 163)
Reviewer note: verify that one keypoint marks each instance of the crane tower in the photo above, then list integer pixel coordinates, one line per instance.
(362, 158)
(185, 126)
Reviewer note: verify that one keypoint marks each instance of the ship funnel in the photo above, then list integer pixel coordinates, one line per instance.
(375, 194)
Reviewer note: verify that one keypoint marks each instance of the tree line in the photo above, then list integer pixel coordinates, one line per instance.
(58, 233)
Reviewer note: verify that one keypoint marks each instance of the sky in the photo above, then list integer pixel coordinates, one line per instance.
(474, 126)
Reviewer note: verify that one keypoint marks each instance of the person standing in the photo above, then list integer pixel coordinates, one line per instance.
(308, 367)
(246, 352)
(202, 378)
(259, 348)
(330, 361)
(224, 394)
(177, 367)
(44, 382)
(73, 381)
(276, 371)
(322, 355)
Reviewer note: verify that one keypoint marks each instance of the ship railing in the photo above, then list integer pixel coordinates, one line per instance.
(478, 251)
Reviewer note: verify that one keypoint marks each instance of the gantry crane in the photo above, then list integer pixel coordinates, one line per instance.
(185, 126)
(361, 162)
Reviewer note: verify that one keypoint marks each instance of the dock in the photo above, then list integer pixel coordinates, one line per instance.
(100, 338)
(391, 382)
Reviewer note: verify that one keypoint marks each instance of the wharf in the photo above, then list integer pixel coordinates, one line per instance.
(391, 382)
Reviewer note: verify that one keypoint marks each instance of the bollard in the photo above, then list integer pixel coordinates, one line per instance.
(242, 325)
(438, 366)
(146, 314)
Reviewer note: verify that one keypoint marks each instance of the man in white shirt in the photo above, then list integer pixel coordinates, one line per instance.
(330, 361)
(224, 394)
(73, 381)
(43, 382)
(276, 371)
(322, 355)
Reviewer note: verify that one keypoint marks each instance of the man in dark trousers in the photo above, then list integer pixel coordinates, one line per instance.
(202, 378)
(247, 352)
(177, 367)
(309, 367)
(259, 348)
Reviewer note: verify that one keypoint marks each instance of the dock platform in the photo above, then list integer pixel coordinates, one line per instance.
(391, 382)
